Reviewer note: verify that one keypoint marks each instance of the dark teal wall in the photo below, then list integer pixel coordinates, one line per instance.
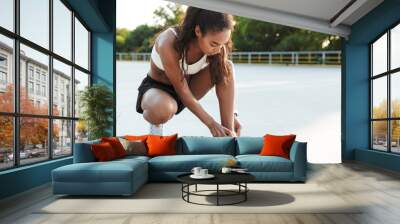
(356, 98)
(355, 82)
(24, 178)
(100, 17)
(103, 53)
(102, 59)
(89, 11)
(376, 158)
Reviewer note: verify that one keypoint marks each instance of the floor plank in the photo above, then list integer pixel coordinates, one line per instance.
(378, 190)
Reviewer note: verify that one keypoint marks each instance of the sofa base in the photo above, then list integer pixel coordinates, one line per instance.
(85, 188)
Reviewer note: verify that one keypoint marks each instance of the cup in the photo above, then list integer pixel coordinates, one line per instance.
(226, 170)
(203, 172)
(196, 170)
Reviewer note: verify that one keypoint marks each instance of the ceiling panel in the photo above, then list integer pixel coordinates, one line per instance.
(321, 9)
(315, 15)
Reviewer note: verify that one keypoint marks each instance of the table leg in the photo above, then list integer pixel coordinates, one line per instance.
(217, 194)
(188, 190)
(245, 193)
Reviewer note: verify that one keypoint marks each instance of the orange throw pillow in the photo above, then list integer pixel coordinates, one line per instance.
(275, 145)
(161, 145)
(103, 151)
(136, 137)
(116, 145)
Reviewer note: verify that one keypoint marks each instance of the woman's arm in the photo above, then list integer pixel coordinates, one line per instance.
(226, 95)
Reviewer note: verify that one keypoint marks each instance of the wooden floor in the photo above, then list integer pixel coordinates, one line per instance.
(378, 188)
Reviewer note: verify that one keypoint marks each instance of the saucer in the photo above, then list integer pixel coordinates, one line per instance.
(240, 171)
(208, 176)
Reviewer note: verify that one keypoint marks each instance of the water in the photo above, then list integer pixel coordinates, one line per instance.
(301, 100)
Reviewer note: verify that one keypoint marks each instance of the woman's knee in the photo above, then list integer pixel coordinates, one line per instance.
(157, 107)
(155, 118)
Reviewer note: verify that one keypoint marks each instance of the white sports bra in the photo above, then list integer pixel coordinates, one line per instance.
(190, 69)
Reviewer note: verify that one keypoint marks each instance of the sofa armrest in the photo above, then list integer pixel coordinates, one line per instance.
(298, 155)
(83, 152)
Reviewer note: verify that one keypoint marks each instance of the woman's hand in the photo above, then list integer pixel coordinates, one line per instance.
(217, 130)
(237, 126)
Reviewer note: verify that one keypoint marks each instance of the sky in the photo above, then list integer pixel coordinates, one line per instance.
(35, 27)
(129, 15)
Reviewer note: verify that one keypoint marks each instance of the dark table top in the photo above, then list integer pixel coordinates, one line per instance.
(220, 178)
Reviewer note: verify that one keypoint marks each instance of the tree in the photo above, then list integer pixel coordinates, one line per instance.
(97, 104)
(255, 35)
(142, 38)
(6, 132)
(33, 130)
(380, 127)
(305, 40)
(170, 15)
(122, 35)
(81, 129)
(139, 40)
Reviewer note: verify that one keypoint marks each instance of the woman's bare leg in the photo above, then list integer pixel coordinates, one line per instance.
(158, 106)
(200, 83)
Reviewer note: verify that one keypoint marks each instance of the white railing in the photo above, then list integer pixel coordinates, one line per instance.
(264, 57)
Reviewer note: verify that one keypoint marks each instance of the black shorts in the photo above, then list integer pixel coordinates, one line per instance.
(148, 83)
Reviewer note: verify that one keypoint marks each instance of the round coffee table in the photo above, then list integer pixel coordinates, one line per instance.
(238, 179)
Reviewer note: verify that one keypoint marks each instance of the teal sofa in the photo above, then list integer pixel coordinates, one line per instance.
(126, 175)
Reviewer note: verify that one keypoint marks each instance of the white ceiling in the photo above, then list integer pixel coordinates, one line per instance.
(315, 15)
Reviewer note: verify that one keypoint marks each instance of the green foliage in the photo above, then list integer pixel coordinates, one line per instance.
(249, 35)
(254, 35)
(96, 102)
(171, 15)
(141, 39)
(122, 35)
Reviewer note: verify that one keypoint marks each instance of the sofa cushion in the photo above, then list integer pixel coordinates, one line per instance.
(159, 145)
(277, 145)
(185, 163)
(248, 145)
(132, 158)
(196, 145)
(111, 171)
(134, 147)
(103, 151)
(257, 163)
(116, 145)
(136, 137)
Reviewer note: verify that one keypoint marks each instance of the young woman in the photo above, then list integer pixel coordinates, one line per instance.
(203, 41)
